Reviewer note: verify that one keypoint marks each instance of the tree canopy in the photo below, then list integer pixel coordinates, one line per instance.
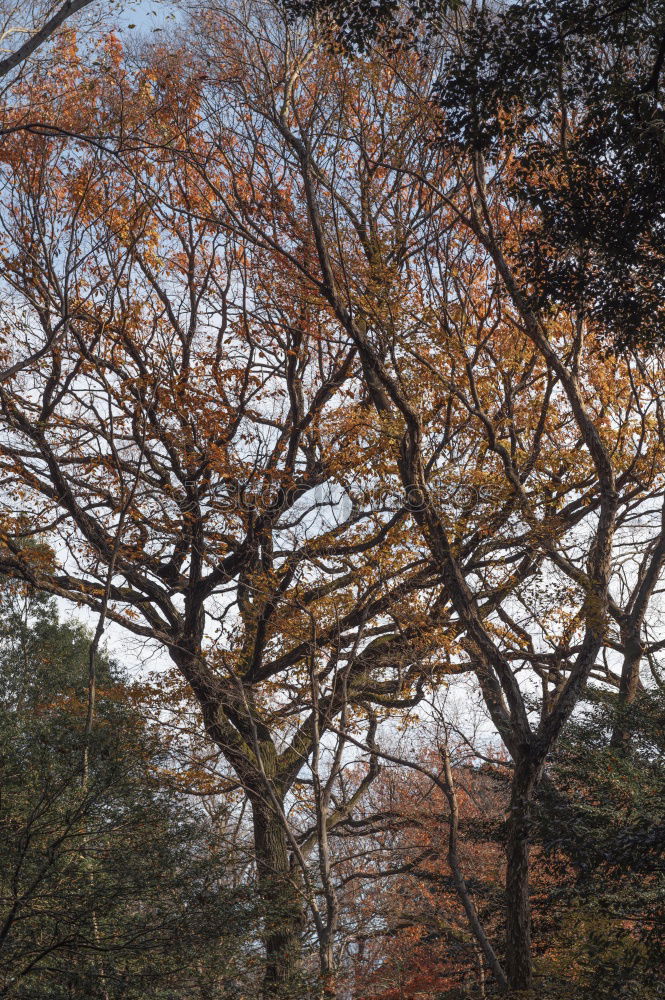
(332, 378)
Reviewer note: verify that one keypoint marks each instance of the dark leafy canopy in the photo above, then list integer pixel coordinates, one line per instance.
(564, 100)
(357, 24)
(572, 91)
(601, 825)
(41, 658)
(119, 888)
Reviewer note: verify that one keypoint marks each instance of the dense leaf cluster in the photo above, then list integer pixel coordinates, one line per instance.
(601, 825)
(357, 24)
(571, 91)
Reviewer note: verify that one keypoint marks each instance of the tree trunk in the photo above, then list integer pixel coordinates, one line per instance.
(519, 965)
(628, 686)
(283, 914)
(281, 898)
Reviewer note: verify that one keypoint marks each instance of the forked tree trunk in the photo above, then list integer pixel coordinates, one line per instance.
(283, 912)
(519, 963)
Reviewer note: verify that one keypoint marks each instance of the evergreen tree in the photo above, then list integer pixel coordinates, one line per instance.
(601, 825)
(109, 888)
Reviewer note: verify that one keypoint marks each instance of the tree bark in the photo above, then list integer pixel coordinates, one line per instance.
(519, 964)
(628, 687)
(283, 916)
(253, 758)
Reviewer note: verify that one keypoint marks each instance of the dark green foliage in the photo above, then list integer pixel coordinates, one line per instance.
(573, 89)
(40, 657)
(117, 889)
(601, 826)
(357, 24)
